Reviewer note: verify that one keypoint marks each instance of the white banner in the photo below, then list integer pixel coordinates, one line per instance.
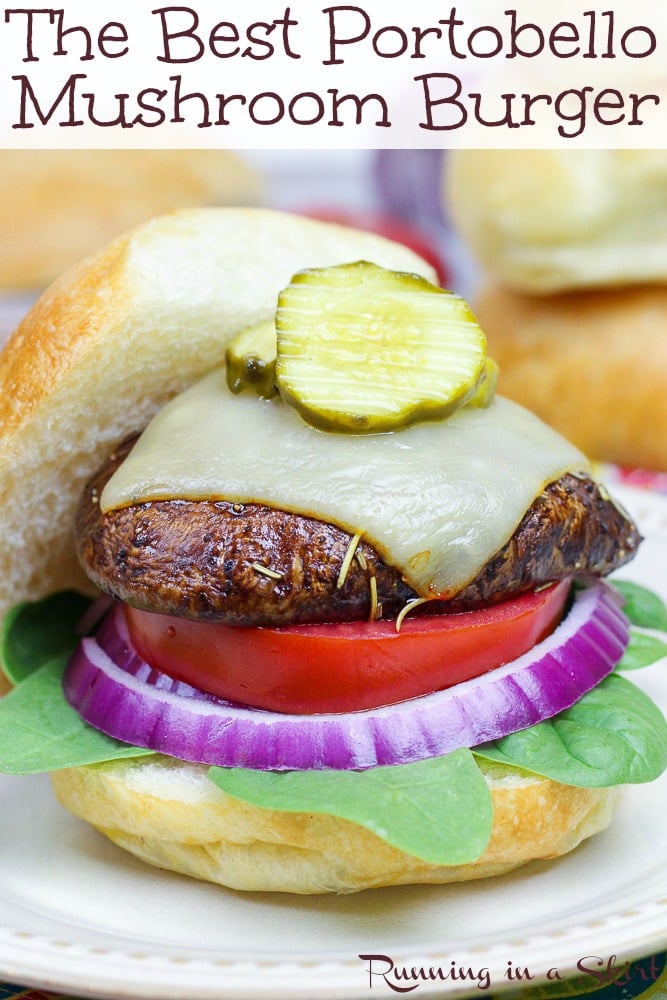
(373, 74)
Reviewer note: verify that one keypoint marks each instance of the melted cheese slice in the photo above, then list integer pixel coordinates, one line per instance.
(437, 500)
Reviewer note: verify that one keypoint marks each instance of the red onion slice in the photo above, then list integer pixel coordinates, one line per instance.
(96, 612)
(115, 691)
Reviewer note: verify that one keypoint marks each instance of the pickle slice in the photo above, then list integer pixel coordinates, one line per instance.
(251, 360)
(486, 385)
(366, 350)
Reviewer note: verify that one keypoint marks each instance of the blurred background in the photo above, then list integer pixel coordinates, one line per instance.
(562, 253)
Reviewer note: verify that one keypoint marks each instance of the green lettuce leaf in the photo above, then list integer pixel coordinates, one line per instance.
(35, 632)
(642, 606)
(40, 731)
(439, 810)
(614, 735)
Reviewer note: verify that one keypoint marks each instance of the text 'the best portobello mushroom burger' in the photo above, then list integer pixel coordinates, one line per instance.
(292, 599)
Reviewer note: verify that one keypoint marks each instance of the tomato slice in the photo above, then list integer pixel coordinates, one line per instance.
(308, 669)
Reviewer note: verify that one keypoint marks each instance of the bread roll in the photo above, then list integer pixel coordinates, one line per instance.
(545, 220)
(116, 337)
(169, 814)
(60, 205)
(591, 364)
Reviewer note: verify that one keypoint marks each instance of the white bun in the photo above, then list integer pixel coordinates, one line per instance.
(116, 337)
(61, 205)
(591, 364)
(170, 815)
(546, 220)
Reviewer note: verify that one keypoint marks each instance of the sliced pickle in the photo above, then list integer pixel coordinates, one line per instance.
(366, 350)
(486, 386)
(251, 360)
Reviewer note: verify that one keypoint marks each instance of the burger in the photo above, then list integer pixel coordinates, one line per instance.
(293, 599)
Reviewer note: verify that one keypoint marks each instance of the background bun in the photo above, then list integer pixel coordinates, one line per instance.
(116, 337)
(169, 814)
(575, 243)
(61, 205)
(544, 220)
(592, 364)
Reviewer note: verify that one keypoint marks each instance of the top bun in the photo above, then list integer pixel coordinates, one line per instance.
(547, 220)
(65, 204)
(115, 338)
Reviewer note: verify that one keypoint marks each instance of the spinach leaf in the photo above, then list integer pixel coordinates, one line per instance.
(642, 651)
(642, 606)
(34, 632)
(439, 810)
(40, 731)
(614, 735)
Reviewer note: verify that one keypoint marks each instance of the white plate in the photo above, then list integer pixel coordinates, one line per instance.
(79, 915)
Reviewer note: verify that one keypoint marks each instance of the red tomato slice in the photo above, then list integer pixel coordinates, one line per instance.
(307, 669)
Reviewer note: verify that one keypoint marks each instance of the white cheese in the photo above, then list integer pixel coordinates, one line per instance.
(437, 500)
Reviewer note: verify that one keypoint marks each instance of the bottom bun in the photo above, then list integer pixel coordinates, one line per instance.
(170, 815)
(591, 364)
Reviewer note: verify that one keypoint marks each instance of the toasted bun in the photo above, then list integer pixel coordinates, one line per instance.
(65, 204)
(170, 815)
(545, 220)
(591, 364)
(115, 338)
